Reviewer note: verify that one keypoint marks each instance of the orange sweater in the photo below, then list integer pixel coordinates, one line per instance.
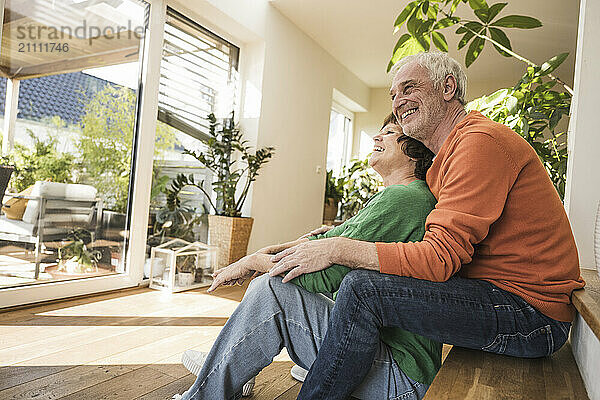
(498, 218)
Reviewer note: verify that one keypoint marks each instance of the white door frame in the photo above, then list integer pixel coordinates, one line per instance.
(142, 179)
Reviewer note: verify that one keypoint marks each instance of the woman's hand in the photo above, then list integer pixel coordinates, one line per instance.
(235, 273)
(318, 231)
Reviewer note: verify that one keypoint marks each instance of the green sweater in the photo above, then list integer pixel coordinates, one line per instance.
(396, 214)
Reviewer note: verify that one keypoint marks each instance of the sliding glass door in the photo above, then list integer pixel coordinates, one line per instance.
(70, 74)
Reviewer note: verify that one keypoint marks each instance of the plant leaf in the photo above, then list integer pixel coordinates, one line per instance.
(478, 4)
(499, 36)
(425, 7)
(474, 50)
(414, 23)
(517, 21)
(433, 11)
(423, 41)
(407, 12)
(455, 4)
(401, 41)
(465, 39)
(409, 47)
(440, 41)
(495, 10)
(483, 15)
(445, 22)
(553, 63)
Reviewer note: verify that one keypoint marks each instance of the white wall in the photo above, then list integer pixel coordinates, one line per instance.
(583, 189)
(287, 84)
(369, 122)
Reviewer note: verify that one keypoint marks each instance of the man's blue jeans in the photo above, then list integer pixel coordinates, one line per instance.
(274, 315)
(463, 312)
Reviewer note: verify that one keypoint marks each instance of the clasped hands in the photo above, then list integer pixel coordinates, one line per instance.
(296, 258)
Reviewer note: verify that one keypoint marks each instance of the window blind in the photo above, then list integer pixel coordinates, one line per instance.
(198, 76)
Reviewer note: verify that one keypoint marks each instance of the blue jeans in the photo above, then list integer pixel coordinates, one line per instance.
(463, 312)
(274, 315)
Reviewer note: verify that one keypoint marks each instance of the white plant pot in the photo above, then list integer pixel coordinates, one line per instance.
(185, 279)
(158, 268)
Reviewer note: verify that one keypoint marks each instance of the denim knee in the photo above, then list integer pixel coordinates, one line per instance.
(353, 284)
(265, 285)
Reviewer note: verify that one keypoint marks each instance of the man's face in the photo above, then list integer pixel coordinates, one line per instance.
(417, 105)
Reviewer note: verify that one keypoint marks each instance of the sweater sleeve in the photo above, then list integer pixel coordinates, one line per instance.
(386, 220)
(475, 181)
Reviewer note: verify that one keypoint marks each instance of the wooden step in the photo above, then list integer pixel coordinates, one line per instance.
(476, 375)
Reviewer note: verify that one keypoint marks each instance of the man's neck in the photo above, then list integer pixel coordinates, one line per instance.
(454, 114)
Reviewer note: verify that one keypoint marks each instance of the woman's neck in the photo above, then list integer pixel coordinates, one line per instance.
(399, 177)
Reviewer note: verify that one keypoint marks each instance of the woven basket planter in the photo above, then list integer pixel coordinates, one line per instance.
(231, 236)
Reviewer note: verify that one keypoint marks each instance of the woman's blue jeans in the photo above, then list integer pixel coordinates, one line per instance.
(463, 312)
(274, 315)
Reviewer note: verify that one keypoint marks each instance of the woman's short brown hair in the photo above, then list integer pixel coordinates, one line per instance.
(414, 149)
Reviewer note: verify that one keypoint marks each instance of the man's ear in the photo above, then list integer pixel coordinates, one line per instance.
(450, 87)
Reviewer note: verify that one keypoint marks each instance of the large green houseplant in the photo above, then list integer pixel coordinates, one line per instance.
(359, 185)
(534, 107)
(234, 167)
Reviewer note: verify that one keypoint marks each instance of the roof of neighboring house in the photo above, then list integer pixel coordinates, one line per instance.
(64, 95)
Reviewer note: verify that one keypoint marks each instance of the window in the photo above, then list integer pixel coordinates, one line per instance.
(74, 126)
(339, 145)
(198, 76)
(366, 145)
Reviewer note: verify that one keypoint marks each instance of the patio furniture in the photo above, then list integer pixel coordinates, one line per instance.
(53, 209)
(5, 173)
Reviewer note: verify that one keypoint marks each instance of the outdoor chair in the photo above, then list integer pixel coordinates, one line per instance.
(53, 210)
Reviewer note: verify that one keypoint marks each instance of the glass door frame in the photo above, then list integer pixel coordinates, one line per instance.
(145, 127)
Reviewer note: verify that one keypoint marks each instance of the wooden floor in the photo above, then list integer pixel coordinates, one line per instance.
(122, 345)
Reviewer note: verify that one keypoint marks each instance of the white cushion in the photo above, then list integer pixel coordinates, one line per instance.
(16, 227)
(67, 191)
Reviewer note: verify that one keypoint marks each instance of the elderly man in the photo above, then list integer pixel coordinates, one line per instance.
(496, 267)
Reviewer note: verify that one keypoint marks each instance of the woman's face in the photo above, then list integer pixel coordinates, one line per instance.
(387, 153)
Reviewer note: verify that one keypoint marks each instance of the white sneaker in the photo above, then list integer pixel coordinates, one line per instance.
(298, 373)
(177, 397)
(194, 360)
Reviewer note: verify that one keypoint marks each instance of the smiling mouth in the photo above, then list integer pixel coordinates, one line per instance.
(408, 112)
(378, 149)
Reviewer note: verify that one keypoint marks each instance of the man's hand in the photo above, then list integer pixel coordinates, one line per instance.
(318, 231)
(303, 258)
(277, 248)
(316, 255)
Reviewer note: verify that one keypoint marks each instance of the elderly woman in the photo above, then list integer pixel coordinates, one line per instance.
(274, 314)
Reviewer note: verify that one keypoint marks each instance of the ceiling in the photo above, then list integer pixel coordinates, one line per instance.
(359, 34)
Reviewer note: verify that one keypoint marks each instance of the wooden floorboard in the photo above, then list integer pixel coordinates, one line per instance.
(120, 345)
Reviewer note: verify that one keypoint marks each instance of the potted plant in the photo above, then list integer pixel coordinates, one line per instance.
(74, 257)
(176, 219)
(6, 169)
(359, 185)
(234, 168)
(186, 270)
(333, 195)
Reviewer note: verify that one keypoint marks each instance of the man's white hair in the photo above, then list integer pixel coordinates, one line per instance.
(439, 65)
